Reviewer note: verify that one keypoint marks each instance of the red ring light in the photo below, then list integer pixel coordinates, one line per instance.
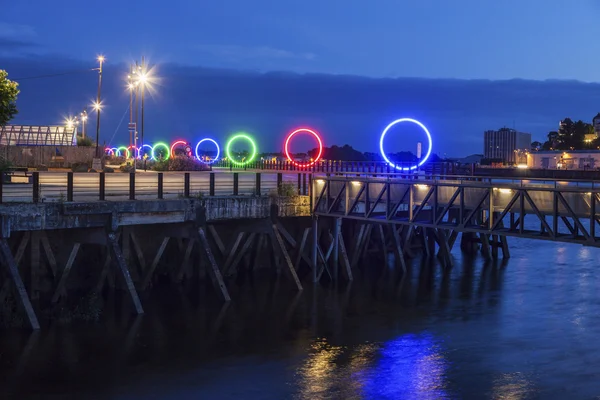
(175, 143)
(287, 152)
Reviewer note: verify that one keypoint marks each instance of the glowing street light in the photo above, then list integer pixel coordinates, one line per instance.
(131, 85)
(69, 122)
(83, 121)
(97, 105)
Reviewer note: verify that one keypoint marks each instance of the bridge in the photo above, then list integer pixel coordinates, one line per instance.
(138, 228)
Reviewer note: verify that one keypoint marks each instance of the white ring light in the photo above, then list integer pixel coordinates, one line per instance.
(385, 131)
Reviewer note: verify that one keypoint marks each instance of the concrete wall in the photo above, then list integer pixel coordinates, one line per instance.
(34, 156)
(222, 208)
(42, 216)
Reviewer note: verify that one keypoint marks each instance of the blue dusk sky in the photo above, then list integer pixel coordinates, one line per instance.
(345, 68)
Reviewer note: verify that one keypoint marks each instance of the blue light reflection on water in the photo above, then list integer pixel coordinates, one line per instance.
(411, 366)
(527, 329)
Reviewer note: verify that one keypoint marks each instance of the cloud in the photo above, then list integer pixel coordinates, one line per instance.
(15, 44)
(15, 38)
(242, 53)
(193, 102)
(16, 31)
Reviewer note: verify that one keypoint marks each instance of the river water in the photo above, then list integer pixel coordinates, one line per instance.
(525, 329)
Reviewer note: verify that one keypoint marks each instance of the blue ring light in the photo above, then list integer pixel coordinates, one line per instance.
(392, 124)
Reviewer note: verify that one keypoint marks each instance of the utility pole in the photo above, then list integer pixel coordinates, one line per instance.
(143, 91)
(131, 87)
(83, 121)
(101, 61)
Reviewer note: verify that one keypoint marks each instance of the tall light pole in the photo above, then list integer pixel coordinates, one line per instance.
(133, 132)
(136, 71)
(83, 121)
(139, 78)
(130, 86)
(97, 105)
(143, 80)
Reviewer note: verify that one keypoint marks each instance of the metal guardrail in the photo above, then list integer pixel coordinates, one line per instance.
(331, 166)
(69, 186)
(468, 179)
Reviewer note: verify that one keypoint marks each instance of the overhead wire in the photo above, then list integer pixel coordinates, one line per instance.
(118, 126)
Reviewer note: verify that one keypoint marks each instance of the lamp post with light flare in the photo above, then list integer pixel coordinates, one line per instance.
(83, 122)
(98, 102)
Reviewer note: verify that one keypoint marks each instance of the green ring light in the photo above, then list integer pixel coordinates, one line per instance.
(238, 137)
(160, 144)
(120, 152)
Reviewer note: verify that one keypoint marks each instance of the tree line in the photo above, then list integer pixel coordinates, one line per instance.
(571, 135)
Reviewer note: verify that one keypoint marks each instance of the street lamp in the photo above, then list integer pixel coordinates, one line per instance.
(83, 121)
(143, 79)
(97, 105)
(69, 122)
(131, 87)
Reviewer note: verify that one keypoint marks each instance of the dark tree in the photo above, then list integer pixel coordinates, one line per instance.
(8, 97)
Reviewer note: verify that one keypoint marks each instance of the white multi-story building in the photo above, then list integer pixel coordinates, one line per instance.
(506, 144)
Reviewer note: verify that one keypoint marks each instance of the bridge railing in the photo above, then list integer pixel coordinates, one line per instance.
(67, 187)
(333, 166)
(468, 179)
(408, 201)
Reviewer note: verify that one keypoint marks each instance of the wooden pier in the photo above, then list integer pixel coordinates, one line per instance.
(321, 227)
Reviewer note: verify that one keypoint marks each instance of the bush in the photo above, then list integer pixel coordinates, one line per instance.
(5, 165)
(80, 167)
(84, 141)
(287, 190)
(178, 163)
(161, 165)
(114, 160)
(149, 164)
(184, 163)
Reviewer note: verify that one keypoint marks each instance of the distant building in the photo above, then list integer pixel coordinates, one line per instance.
(596, 123)
(507, 145)
(572, 159)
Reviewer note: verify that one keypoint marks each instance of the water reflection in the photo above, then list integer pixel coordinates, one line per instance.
(475, 331)
(318, 376)
(409, 367)
(513, 386)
